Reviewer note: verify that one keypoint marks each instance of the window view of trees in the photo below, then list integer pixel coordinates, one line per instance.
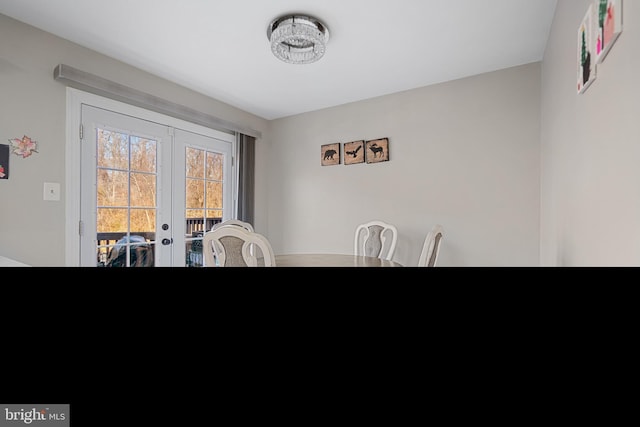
(127, 198)
(126, 183)
(204, 173)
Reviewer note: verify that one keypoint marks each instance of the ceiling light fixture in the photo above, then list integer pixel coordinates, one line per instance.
(298, 39)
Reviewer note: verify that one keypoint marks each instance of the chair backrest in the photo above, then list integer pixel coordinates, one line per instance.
(431, 247)
(236, 247)
(377, 239)
(237, 222)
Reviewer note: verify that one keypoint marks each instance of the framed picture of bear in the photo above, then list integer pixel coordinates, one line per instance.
(354, 152)
(330, 154)
(377, 150)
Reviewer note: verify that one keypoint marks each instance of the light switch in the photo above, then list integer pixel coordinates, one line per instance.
(51, 191)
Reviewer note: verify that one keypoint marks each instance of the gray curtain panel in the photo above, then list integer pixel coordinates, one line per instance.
(246, 183)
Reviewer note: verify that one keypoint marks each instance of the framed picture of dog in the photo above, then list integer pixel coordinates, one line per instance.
(354, 152)
(330, 154)
(377, 150)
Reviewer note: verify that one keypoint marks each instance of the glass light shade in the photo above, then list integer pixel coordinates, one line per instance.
(298, 39)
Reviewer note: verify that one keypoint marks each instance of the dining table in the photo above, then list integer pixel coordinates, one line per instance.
(331, 260)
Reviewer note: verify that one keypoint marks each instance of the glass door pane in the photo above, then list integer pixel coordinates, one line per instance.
(149, 191)
(126, 199)
(208, 188)
(120, 190)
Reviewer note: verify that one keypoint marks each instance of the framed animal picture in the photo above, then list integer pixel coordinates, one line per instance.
(377, 150)
(330, 154)
(354, 152)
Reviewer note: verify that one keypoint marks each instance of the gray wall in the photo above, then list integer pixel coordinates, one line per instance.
(464, 154)
(590, 148)
(33, 230)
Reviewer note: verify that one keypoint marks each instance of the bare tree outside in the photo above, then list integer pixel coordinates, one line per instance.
(204, 172)
(126, 190)
(126, 184)
(127, 196)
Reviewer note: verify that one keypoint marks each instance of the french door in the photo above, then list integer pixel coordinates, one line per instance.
(149, 190)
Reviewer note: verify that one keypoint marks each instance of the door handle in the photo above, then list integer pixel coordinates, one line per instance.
(166, 241)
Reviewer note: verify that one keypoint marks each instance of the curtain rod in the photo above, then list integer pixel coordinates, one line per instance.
(91, 83)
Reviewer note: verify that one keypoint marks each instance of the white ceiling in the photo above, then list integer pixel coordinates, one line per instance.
(376, 47)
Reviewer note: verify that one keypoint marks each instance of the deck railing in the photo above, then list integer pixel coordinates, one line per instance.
(194, 228)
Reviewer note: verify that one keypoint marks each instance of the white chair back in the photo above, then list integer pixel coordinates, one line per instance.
(236, 222)
(431, 247)
(236, 247)
(377, 239)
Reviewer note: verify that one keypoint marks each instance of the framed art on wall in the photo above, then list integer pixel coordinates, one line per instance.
(354, 152)
(377, 150)
(330, 154)
(4, 161)
(586, 51)
(609, 26)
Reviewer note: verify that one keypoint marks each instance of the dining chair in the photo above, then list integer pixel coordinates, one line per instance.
(236, 222)
(431, 247)
(377, 239)
(236, 247)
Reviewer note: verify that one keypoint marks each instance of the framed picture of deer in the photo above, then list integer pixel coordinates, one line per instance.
(377, 150)
(354, 152)
(330, 154)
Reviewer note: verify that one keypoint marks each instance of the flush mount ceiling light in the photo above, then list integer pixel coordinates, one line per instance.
(298, 39)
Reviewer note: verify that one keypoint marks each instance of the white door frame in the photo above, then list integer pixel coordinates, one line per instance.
(75, 99)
